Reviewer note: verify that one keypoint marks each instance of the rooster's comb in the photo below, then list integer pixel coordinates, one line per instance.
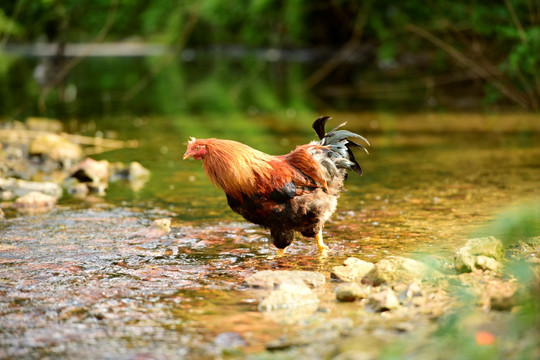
(191, 140)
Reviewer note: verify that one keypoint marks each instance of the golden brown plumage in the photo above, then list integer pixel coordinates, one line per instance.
(293, 192)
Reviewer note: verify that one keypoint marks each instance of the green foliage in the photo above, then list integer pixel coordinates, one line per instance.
(515, 224)
(8, 26)
(498, 42)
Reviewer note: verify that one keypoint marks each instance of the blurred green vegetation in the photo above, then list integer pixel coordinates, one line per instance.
(375, 50)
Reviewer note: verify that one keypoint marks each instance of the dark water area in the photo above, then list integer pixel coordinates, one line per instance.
(228, 80)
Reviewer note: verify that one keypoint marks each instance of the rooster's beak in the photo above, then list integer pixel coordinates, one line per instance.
(187, 155)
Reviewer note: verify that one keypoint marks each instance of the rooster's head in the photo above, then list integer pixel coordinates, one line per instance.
(196, 149)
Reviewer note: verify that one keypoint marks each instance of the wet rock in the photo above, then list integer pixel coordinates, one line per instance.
(18, 187)
(35, 201)
(487, 263)
(131, 172)
(352, 292)
(475, 254)
(91, 171)
(268, 279)
(161, 225)
(464, 260)
(229, 340)
(399, 269)
(353, 270)
(287, 295)
(138, 176)
(55, 147)
(7, 195)
(413, 290)
(76, 189)
(157, 229)
(94, 174)
(135, 173)
(44, 124)
(355, 355)
(321, 334)
(503, 297)
(383, 300)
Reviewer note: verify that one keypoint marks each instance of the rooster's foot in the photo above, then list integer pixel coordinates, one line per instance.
(323, 248)
(279, 253)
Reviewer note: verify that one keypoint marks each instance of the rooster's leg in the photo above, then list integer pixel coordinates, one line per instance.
(323, 248)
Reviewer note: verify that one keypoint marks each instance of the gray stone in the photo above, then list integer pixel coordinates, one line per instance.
(55, 147)
(411, 291)
(18, 188)
(476, 253)
(161, 225)
(502, 295)
(35, 201)
(289, 295)
(399, 269)
(351, 292)
(91, 171)
(353, 270)
(268, 279)
(487, 263)
(487, 246)
(44, 124)
(383, 300)
(137, 171)
(464, 260)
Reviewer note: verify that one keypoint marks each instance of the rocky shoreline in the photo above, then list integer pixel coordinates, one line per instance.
(40, 163)
(399, 297)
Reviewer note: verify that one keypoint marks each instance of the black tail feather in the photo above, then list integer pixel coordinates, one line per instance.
(353, 144)
(336, 136)
(319, 124)
(356, 167)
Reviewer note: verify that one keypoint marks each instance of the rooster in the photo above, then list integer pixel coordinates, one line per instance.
(296, 192)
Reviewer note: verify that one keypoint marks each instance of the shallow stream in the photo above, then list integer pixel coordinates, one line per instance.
(90, 279)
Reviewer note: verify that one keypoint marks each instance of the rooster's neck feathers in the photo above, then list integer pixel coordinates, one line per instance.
(240, 170)
(235, 167)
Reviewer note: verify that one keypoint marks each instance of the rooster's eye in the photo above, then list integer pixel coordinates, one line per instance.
(197, 148)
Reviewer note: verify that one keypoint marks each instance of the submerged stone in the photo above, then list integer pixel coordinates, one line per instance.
(229, 340)
(352, 292)
(288, 295)
(268, 279)
(162, 225)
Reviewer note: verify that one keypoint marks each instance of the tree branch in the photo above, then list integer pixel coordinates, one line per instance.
(64, 71)
(178, 47)
(467, 62)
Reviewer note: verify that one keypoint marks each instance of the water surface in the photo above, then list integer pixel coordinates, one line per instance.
(90, 279)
